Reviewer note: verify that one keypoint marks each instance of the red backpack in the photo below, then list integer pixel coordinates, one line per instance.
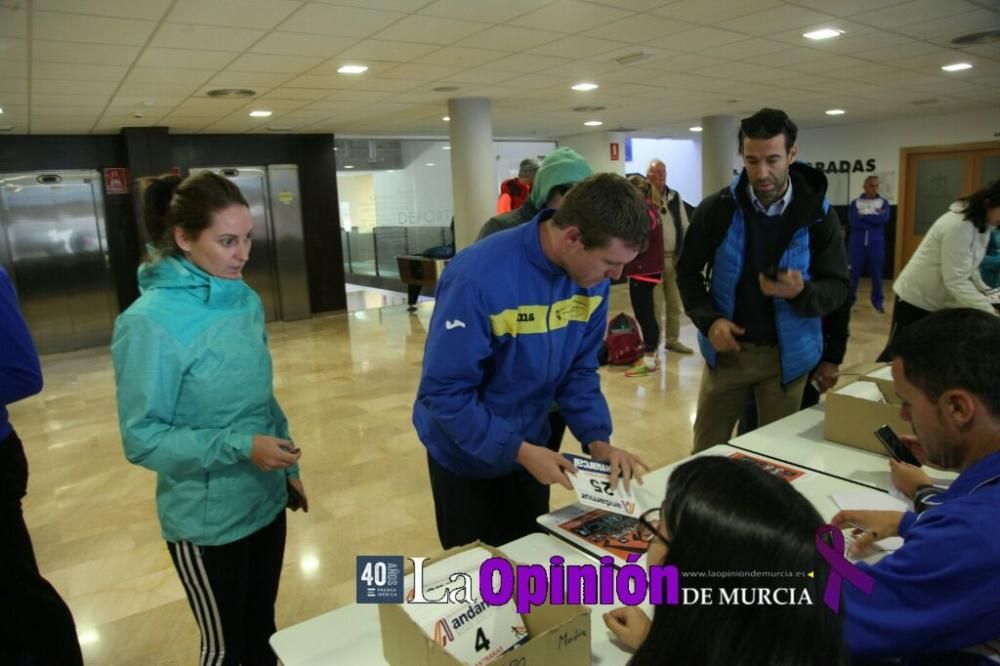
(623, 342)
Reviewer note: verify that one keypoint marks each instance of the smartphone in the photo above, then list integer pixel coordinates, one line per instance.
(897, 450)
(289, 447)
(771, 272)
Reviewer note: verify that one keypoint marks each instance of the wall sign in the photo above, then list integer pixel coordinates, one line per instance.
(614, 151)
(116, 180)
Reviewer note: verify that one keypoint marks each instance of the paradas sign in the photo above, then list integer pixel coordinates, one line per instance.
(846, 166)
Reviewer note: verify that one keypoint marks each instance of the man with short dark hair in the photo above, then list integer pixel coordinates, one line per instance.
(560, 170)
(762, 263)
(936, 600)
(867, 216)
(518, 321)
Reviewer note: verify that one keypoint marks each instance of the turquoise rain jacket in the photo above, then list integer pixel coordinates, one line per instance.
(194, 384)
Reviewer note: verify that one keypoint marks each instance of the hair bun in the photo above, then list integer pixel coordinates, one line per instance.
(157, 193)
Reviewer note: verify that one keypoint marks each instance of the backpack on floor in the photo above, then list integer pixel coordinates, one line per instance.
(623, 342)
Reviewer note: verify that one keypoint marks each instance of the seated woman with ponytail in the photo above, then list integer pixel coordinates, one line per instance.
(196, 405)
(720, 518)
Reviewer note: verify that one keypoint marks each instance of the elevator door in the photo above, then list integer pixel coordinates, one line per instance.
(53, 245)
(259, 272)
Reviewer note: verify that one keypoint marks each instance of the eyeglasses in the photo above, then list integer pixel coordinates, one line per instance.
(649, 527)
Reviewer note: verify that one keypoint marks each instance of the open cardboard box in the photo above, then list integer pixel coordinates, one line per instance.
(557, 634)
(852, 421)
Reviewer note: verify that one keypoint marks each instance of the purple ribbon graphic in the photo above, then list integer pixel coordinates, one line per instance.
(840, 568)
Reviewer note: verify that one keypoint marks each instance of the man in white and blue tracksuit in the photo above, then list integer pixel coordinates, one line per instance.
(936, 600)
(763, 261)
(518, 321)
(867, 216)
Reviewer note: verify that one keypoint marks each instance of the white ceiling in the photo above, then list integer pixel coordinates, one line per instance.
(90, 66)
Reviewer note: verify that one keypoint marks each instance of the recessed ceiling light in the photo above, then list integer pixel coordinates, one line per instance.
(279, 128)
(348, 166)
(429, 164)
(824, 33)
(585, 86)
(593, 123)
(835, 112)
(446, 118)
(957, 67)
(445, 147)
(231, 92)
(695, 128)
(260, 114)
(1, 109)
(353, 69)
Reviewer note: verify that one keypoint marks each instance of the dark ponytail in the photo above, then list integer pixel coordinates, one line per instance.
(169, 202)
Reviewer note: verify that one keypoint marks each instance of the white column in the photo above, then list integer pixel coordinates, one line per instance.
(596, 148)
(473, 166)
(718, 146)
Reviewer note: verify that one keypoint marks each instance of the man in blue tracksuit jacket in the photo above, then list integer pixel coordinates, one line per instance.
(867, 216)
(518, 321)
(936, 600)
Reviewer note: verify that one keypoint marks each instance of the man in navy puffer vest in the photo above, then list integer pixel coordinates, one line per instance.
(763, 262)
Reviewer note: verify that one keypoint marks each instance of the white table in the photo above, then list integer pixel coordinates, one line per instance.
(351, 634)
(798, 439)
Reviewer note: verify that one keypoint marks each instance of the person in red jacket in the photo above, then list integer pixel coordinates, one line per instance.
(515, 191)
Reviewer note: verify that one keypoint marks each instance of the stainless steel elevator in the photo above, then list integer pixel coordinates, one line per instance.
(53, 244)
(277, 268)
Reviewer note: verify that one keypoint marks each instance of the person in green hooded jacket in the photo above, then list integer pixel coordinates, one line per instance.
(196, 405)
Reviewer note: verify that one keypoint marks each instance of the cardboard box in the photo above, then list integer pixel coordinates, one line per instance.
(558, 635)
(852, 421)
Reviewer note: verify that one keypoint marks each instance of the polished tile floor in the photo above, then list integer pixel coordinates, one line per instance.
(347, 382)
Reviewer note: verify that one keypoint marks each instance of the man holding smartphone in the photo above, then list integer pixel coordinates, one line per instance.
(763, 261)
(937, 599)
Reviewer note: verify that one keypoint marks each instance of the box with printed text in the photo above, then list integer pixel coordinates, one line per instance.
(556, 634)
(855, 409)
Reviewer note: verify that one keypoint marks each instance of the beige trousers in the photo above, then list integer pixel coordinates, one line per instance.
(725, 391)
(673, 309)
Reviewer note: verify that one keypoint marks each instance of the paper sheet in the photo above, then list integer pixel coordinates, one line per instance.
(881, 373)
(873, 501)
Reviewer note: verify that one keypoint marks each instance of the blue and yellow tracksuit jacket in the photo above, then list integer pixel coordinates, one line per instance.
(511, 334)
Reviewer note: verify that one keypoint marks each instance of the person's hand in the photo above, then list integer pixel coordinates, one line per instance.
(722, 334)
(301, 501)
(869, 527)
(623, 462)
(545, 465)
(268, 453)
(908, 477)
(826, 375)
(629, 624)
(788, 285)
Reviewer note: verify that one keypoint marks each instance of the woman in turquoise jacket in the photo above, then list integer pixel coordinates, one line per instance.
(196, 405)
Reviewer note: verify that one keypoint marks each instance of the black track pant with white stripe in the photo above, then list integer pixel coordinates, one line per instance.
(231, 589)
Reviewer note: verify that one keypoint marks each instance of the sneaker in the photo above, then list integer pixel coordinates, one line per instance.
(640, 369)
(679, 347)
